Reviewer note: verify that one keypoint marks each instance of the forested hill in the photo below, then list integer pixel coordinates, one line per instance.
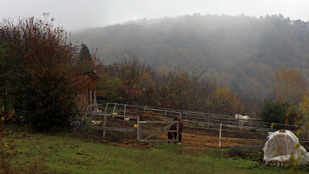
(242, 52)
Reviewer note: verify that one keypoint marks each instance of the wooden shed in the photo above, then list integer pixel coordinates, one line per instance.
(87, 92)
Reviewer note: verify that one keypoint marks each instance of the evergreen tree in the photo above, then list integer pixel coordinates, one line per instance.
(85, 59)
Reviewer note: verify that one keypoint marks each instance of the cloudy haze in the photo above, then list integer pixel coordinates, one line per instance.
(78, 14)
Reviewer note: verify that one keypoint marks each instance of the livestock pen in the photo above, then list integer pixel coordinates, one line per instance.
(145, 127)
(201, 123)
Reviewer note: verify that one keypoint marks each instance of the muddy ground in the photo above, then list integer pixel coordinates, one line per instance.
(206, 142)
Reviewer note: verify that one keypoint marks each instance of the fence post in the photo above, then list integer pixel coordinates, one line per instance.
(178, 132)
(125, 110)
(228, 123)
(220, 135)
(114, 108)
(104, 125)
(207, 120)
(138, 129)
(106, 108)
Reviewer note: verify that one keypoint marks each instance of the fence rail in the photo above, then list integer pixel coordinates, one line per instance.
(160, 129)
(84, 119)
(193, 119)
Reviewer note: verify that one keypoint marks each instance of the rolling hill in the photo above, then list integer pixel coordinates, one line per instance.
(241, 52)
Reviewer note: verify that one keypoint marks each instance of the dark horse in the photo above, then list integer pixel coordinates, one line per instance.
(173, 135)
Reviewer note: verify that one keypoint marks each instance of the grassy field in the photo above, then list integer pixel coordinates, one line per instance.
(66, 153)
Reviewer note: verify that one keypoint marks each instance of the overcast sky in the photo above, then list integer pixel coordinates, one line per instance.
(79, 14)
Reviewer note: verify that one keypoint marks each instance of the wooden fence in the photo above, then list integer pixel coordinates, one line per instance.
(96, 120)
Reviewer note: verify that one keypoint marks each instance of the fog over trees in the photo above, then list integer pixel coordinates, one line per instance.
(241, 52)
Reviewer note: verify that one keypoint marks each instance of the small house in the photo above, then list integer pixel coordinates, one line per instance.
(87, 92)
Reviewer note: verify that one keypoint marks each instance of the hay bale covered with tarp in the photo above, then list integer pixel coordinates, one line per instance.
(282, 146)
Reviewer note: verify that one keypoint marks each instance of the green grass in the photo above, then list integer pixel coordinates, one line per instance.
(66, 153)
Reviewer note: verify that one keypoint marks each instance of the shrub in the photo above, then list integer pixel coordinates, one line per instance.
(40, 75)
(275, 112)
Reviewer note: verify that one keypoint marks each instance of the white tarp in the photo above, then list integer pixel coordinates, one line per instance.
(281, 145)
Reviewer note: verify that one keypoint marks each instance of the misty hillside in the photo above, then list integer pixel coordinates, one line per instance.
(241, 52)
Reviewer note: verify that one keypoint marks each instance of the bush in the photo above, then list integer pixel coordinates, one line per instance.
(38, 73)
(275, 112)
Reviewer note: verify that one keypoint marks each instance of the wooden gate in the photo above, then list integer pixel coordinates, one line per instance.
(143, 133)
(151, 133)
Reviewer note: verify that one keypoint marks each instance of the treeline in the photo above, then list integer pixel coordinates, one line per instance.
(241, 52)
(133, 81)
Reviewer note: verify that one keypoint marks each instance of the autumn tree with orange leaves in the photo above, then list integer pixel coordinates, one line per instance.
(289, 85)
(39, 72)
